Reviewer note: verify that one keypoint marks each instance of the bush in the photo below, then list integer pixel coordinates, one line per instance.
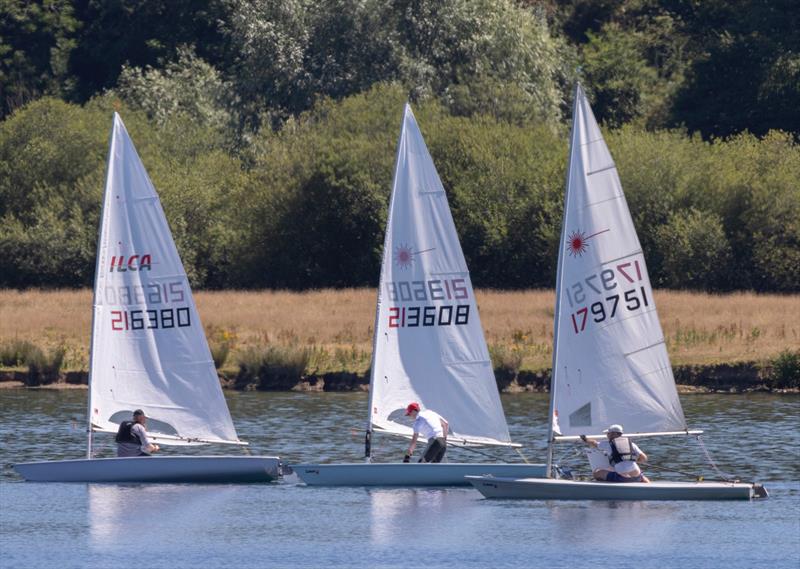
(506, 362)
(44, 368)
(16, 352)
(276, 368)
(785, 370)
(220, 342)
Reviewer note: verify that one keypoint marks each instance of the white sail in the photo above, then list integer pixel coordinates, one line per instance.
(611, 363)
(148, 349)
(429, 345)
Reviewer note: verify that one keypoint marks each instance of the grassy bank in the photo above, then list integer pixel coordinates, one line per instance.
(335, 326)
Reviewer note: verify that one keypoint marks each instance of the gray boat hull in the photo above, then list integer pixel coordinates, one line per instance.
(551, 489)
(155, 469)
(408, 474)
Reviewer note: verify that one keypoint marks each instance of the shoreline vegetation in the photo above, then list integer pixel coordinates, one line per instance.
(321, 340)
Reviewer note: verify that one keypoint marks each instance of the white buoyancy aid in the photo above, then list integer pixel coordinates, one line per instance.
(622, 450)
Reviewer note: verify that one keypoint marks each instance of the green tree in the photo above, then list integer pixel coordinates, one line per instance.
(187, 87)
(747, 72)
(139, 33)
(694, 251)
(36, 39)
(618, 75)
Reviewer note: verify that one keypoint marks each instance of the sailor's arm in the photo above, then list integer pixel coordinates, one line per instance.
(147, 444)
(589, 442)
(445, 427)
(413, 444)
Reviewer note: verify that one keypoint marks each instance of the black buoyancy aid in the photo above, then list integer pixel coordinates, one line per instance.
(621, 450)
(126, 435)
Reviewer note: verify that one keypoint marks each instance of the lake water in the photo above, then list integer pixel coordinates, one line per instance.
(284, 524)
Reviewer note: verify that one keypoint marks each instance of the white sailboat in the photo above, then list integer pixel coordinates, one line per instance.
(610, 362)
(428, 344)
(148, 347)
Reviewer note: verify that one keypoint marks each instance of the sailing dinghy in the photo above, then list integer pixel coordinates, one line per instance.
(428, 343)
(148, 347)
(610, 362)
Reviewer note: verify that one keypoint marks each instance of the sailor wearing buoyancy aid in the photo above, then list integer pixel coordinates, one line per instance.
(623, 455)
(132, 437)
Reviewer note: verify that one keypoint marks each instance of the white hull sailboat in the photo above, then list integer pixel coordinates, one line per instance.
(148, 348)
(155, 469)
(428, 345)
(610, 362)
(552, 489)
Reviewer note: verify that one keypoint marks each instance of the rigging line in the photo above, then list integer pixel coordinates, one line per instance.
(522, 456)
(698, 477)
(470, 449)
(711, 460)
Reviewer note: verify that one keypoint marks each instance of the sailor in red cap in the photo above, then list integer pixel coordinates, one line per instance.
(433, 427)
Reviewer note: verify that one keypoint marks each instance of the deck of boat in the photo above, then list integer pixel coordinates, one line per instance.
(552, 489)
(155, 469)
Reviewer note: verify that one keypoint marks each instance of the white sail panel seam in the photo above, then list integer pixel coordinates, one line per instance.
(661, 341)
(598, 171)
(466, 362)
(611, 199)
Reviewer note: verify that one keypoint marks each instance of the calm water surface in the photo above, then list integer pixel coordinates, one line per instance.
(289, 525)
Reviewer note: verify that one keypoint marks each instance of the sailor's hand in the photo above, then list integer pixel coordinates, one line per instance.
(407, 458)
(583, 438)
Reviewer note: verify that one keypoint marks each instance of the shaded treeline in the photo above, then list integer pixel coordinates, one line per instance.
(717, 66)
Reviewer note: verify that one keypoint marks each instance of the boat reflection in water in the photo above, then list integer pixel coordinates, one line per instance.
(124, 517)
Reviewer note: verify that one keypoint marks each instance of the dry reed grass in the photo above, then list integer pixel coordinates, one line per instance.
(699, 328)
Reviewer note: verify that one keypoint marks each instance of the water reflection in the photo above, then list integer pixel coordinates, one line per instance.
(599, 524)
(411, 511)
(128, 516)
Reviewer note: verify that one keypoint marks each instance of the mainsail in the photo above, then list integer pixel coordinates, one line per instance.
(429, 345)
(148, 349)
(610, 362)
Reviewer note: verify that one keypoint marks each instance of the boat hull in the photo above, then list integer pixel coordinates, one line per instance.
(155, 469)
(551, 489)
(407, 474)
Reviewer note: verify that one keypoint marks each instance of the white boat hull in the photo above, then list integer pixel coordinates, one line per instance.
(407, 474)
(551, 489)
(160, 469)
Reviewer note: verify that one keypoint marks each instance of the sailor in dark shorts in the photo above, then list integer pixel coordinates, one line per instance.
(431, 426)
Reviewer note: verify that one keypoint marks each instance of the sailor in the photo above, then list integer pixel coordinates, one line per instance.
(433, 427)
(132, 437)
(623, 455)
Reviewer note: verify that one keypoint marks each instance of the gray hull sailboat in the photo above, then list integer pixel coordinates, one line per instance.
(148, 348)
(610, 362)
(428, 345)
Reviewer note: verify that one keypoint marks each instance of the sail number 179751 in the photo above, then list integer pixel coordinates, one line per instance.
(607, 305)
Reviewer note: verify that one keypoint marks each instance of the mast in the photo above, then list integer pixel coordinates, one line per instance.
(559, 278)
(368, 433)
(97, 269)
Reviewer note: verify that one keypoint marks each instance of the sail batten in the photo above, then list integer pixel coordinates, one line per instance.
(429, 345)
(149, 349)
(611, 363)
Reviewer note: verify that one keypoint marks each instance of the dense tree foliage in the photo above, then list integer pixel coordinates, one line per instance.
(306, 207)
(269, 129)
